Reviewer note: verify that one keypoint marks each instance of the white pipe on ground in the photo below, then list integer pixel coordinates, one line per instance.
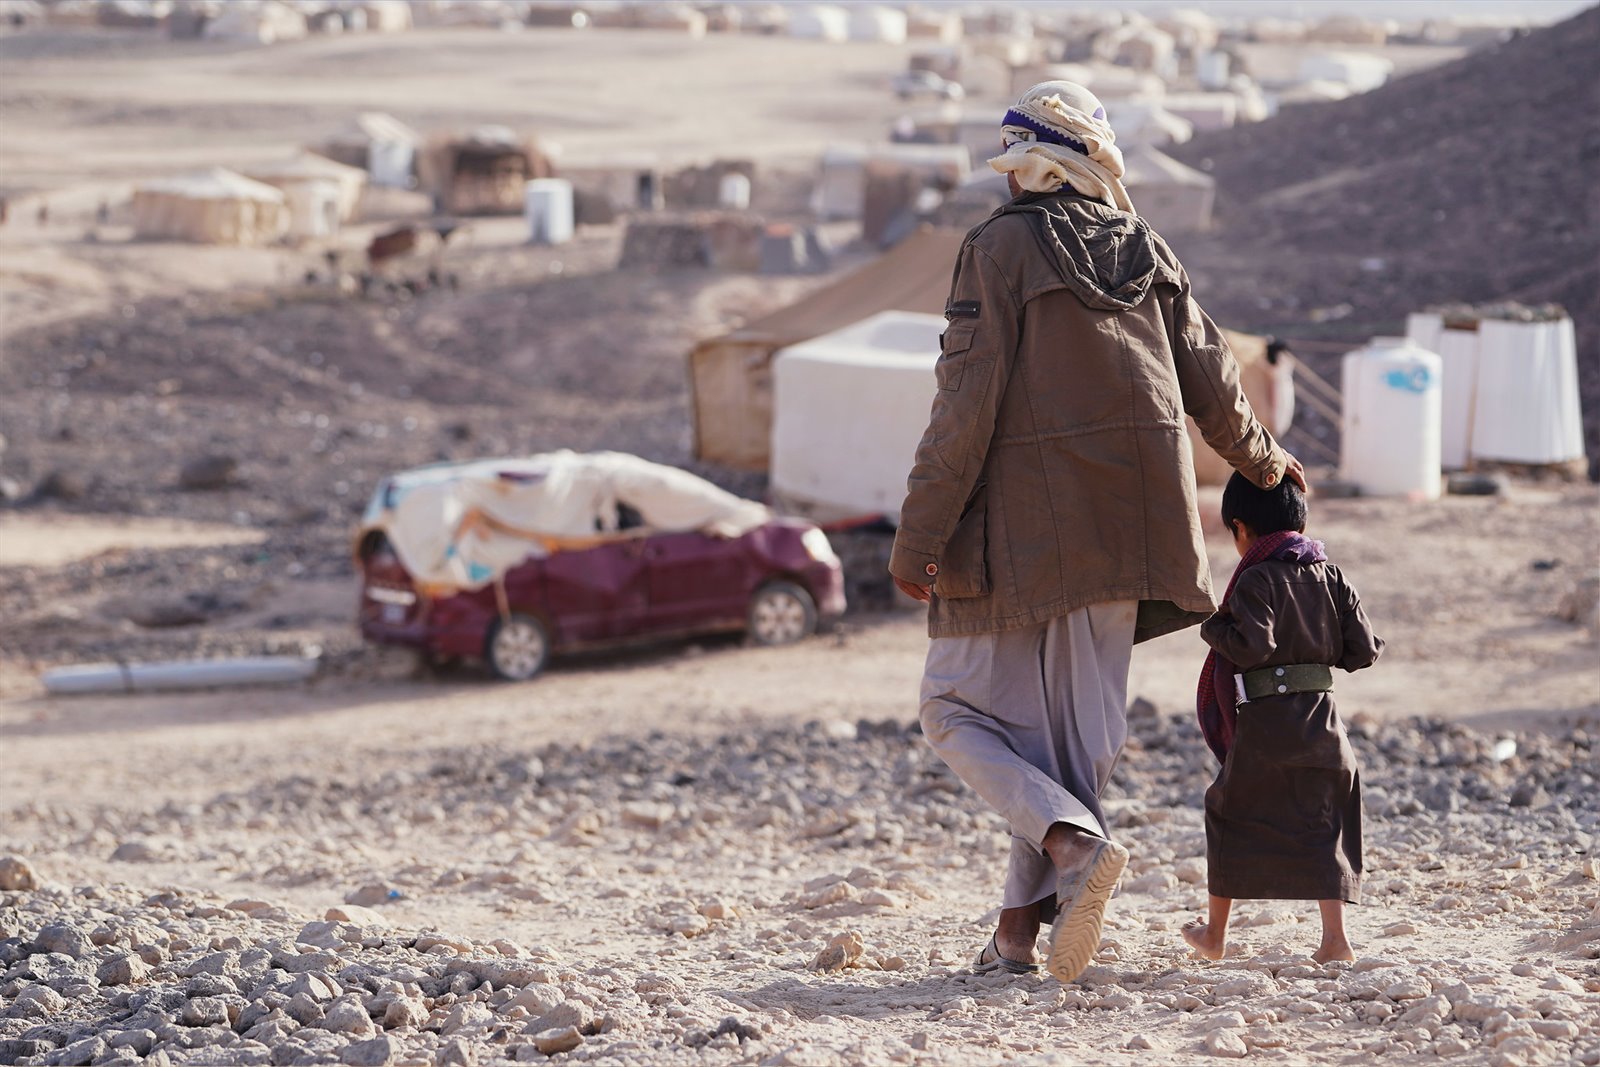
(178, 674)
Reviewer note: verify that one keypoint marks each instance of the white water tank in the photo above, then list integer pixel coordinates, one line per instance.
(733, 192)
(1392, 415)
(547, 207)
(1527, 408)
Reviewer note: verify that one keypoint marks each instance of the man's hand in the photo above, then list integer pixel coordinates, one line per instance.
(913, 590)
(1293, 471)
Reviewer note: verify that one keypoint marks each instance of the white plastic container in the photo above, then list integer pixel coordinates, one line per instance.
(1527, 408)
(733, 192)
(849, 408)
(1392, 415)
(1458, 353)
(547, 207)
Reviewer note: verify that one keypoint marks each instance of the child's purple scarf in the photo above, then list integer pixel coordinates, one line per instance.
(1215, 701)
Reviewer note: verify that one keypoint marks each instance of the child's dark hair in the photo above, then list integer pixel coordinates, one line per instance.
(1265, 511)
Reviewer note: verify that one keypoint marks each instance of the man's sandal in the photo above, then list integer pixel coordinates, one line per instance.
(990, 960)
(1081, 908)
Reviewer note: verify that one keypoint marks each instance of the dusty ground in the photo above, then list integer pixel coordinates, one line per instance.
(654, 848)
(670, 838)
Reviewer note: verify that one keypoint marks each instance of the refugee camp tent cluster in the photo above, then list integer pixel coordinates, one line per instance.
(302, 198)
(267, 22)
(842, 381)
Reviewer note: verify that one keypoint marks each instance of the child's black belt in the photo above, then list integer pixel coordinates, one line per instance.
(1290, 678)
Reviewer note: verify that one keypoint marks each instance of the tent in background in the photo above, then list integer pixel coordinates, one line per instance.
(1173, 197)
(381, 144)
(213, 206)
(731, 376)
(321, 193)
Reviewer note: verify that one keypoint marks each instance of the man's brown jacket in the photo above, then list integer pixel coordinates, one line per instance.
(1055, 471)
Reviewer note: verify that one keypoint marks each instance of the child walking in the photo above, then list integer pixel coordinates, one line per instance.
(1283, 818)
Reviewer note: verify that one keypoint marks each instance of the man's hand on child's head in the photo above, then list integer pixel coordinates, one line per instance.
(1295, 472)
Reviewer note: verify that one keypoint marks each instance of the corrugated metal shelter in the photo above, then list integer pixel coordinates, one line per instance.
(731, 376)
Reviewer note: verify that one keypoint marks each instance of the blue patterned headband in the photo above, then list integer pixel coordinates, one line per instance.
(1043, 132)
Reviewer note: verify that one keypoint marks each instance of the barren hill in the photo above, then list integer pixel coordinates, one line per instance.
(1477, 180)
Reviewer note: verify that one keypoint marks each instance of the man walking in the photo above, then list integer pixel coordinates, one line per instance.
(1051, 513)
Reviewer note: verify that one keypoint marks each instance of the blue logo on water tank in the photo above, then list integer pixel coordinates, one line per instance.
(1415, 380)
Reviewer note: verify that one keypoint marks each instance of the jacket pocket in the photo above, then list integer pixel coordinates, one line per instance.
(964, 566)
(954, 345)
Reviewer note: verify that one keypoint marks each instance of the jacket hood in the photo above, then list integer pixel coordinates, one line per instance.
(1106, 257)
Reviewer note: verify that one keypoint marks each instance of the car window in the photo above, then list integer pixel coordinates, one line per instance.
(625, 518)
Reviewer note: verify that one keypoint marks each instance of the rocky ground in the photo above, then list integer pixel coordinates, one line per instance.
(789, 895)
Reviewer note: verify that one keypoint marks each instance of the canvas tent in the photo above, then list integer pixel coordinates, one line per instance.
(731, 376)
(869, 383)
(213, 206)
(484, 172)
(462, 525)
(321, 193)
(382, 145)
(261, 22)
(1173, 197)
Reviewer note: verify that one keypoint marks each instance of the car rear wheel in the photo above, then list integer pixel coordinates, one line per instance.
(781, 614)
(517, 647)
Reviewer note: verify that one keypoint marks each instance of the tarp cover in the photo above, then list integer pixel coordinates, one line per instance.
(462, 525)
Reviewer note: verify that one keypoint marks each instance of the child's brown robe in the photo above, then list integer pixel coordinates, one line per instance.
(1283, 818)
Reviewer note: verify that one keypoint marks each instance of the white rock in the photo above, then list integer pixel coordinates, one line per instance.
(1224, 1020)
(16, 875)
(205, 1011)
(123, 968)
(368, 895)
(347, 1015)
(404, 1013)
(557, 1039)
(1226, 1043)
(572, 1014)
(538, 1000)
(379, 1051)
(1190, 871)
(467, 1016)
(354, 913)
(717, 908)
(1410, 988)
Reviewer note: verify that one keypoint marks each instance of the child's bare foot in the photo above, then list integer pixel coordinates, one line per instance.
(1340, 950)
(1206, 944)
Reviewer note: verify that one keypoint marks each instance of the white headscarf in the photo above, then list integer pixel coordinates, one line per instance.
(1056, 134)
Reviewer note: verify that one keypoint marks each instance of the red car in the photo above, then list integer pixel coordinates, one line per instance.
(777, 581)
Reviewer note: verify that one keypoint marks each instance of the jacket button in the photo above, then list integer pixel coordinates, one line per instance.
(1280, 672)
(1271, 480)
(1283, 689)
(932, 569)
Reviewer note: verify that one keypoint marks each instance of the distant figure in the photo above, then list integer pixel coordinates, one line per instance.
(43, 214)
(1051, 514)
(102, 214)
(5, 210)
(1283, 818)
